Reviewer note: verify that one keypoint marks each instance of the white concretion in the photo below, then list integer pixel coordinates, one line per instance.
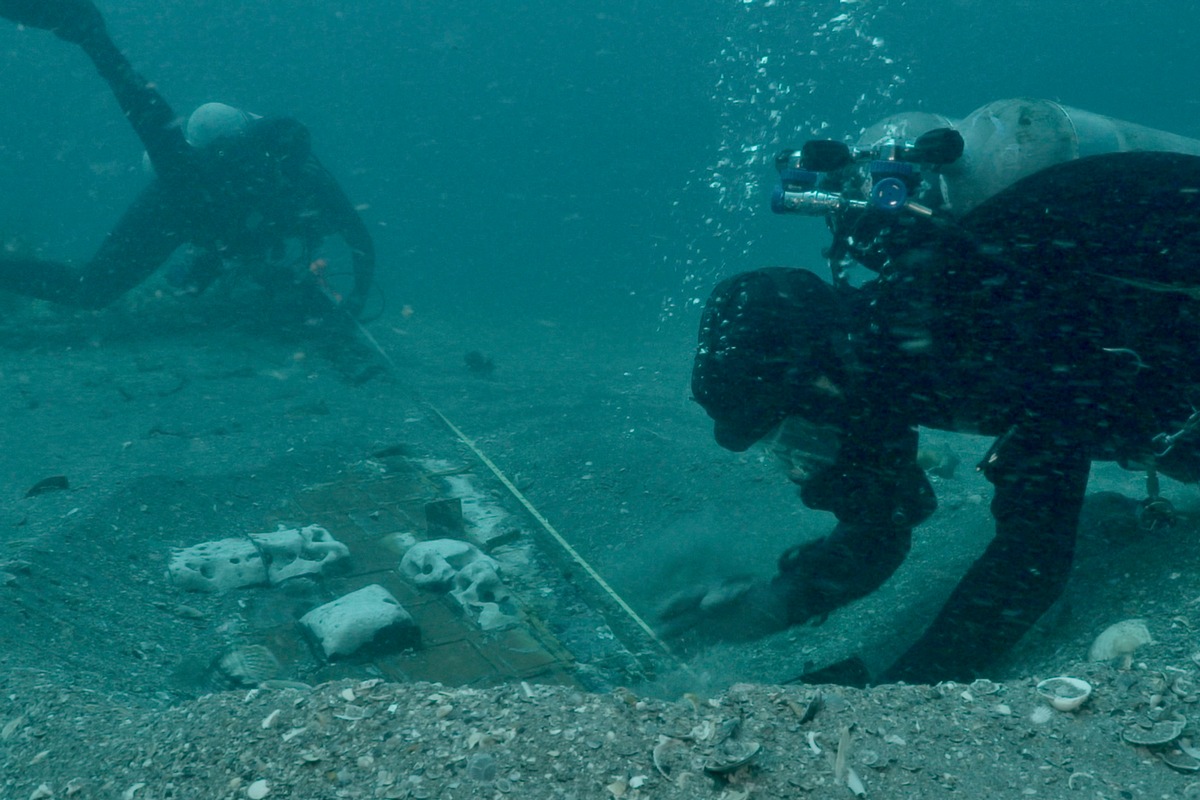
(472, 577)
(433, 564)
(483, 596)
(217, 566)
(298, 551)
(369, 616)
(1119, 640)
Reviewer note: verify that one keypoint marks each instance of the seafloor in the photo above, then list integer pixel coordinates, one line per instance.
(175, 421)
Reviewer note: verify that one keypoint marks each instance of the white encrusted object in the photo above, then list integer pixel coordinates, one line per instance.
(292, 552)
(484, 597)
(370, 616)
(433, 564)
(217, 566)
(1118, 641)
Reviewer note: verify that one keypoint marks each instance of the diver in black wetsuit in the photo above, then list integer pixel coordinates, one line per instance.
(1061, 316)
(241, 195)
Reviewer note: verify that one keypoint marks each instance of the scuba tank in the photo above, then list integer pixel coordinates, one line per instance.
(929, 166)
(1007, 140)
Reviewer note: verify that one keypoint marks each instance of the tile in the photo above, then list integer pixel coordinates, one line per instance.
(454, 664)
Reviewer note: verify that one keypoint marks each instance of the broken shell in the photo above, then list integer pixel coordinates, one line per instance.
(1159, 733)
(1065, 693)
(731, 756)
(1180, 761)
(982, 687)
(813, 707)
(249, 665)
(668, 756)
(1184, 687)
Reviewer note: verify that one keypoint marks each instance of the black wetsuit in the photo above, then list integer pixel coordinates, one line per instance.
(1059, 317)
(230, 199)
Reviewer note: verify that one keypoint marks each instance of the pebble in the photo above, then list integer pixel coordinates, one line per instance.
(258, 790)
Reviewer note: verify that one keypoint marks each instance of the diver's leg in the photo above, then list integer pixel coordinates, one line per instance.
(146, 235)
(148, 112)
(68, 19)
(143, 239)
(45, 280)
(1039, 495)
(194, 276)
(80, 22)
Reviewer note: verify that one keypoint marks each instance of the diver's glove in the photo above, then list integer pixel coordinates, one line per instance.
(737, 609)
(72, 20)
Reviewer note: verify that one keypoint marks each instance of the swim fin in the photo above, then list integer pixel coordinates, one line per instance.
(72, 20)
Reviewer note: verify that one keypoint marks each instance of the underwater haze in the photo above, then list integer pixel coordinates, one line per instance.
(568, 156)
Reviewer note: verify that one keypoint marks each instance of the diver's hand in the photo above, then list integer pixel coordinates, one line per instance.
(354, 303)
(72, 20)
(733, 610)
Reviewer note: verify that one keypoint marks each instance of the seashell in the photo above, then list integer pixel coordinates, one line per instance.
(813, 707)
(280, 685)
(351, 713)
(482, 767)
(1118, 641)
(1041, 715)
(1065, 693)
(663, 756)
(258, 790)
(1180, 761)
(982, 687)
(1163, 732)
(55, 483)
(727, 729)
(731, 756)
(854, 783)
(1184, 687)
(249, 665)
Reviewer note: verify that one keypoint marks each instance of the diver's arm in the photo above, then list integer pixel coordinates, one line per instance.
(344, 220)
(1040, 483)
(80, 22)
(877, 492)
(877, 506)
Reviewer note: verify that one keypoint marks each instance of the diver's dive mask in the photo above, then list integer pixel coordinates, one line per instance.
(805, 449)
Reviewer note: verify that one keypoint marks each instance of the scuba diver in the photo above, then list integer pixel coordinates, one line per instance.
(231, 184)
(1058, 310)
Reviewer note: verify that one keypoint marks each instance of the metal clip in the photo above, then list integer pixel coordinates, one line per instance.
(1167, 441)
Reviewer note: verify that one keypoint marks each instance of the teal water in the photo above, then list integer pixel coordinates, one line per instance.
(543, 155)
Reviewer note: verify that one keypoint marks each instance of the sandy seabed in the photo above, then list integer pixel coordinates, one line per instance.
(179, 421)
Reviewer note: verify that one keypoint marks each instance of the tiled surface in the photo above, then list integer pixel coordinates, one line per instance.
(364, 513)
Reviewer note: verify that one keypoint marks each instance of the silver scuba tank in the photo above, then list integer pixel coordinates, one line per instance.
(1007, 140)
